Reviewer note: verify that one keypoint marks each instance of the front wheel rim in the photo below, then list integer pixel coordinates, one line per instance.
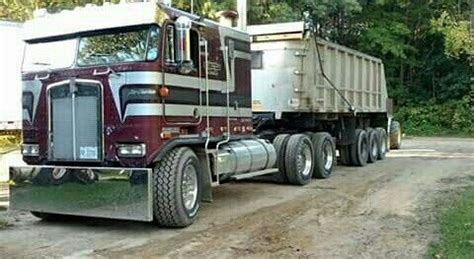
(189, 187)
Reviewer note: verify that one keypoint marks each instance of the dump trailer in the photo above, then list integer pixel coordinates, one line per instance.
(11, 51)
(139, 110)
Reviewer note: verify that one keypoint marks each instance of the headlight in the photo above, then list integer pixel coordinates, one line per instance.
(30, 149)
(131, 150)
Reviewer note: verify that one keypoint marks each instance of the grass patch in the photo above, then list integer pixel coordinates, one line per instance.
(3, 223)
(457, 229)
(8, 144)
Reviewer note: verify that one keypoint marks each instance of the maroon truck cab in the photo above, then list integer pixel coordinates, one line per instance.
(128, 96)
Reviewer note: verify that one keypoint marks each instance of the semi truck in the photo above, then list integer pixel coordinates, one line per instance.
(138, 111)
(11, 50)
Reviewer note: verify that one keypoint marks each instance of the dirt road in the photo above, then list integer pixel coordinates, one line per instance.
(380, 210)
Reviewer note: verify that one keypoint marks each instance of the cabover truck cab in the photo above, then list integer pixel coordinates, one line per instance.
(136, 111)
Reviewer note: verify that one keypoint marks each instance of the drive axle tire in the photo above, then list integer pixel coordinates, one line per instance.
(280, 142)
(382, 143)
(299, 160)
(324, 154)
(177, 188)
(373, 145)
(359, 150)
(395, 135)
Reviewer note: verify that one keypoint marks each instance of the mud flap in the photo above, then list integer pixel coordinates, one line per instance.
(117, 193)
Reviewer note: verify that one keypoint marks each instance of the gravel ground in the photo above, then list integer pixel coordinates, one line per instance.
(382, 210)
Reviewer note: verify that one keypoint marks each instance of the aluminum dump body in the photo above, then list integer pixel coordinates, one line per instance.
(286, 76)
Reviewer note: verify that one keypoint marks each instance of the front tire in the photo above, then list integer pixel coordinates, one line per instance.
(299, 159)
(177, 188)
(280, 142)
(324, 154)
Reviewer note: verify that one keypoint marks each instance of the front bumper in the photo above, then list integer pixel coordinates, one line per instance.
(118, 193)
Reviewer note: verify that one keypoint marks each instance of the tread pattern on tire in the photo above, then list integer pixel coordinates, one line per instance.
(357, 157)
(395, 129)
(165, 205)
(373, 139)
(293, 146)
(280, 142)
(319, 140)
(382, 134)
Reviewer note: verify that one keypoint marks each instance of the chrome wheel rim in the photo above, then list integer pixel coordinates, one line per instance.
(328, 156)
(58, 173)
(189, 187)
(304, 160)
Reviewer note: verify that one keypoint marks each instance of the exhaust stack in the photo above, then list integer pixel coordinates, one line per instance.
(242, 11)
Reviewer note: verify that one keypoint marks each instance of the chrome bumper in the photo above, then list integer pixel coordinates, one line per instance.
(118, 193)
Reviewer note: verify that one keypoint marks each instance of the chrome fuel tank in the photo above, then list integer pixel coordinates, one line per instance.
(245, 156)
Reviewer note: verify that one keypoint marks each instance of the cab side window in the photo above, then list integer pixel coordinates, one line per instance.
(170, 47)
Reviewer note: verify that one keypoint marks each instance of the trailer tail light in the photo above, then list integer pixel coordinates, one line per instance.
(131, 150)
(30, 149)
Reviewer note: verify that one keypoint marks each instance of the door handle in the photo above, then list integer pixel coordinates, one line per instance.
(99, 73)
(38, 78)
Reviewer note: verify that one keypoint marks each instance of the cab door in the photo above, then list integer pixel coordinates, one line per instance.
(182, 75)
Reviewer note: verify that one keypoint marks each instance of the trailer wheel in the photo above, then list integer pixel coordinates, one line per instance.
(324, 154)
(373, 145)
(382, 143)
(299, 160)
(177, 188)
(395, 135)
(280, 142)
(344, 155)
(359, 150)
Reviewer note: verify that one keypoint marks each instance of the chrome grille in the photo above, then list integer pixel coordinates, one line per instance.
(75, 122)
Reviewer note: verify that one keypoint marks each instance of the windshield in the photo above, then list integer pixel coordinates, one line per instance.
(49, 55)
(131, 46)
(137, 44)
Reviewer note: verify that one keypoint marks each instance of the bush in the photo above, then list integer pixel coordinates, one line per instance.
(430, 118)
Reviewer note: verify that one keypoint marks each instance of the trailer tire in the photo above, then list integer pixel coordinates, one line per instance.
(359, 149)
(299, 159)
(382, 143)
(170, 175)
(280, 142)
(395, 135)
(373, 151)
(324, 154)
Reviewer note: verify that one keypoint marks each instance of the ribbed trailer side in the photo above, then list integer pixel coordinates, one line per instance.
(287, 76)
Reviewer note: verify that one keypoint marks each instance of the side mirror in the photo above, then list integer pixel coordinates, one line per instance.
(183, 40)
